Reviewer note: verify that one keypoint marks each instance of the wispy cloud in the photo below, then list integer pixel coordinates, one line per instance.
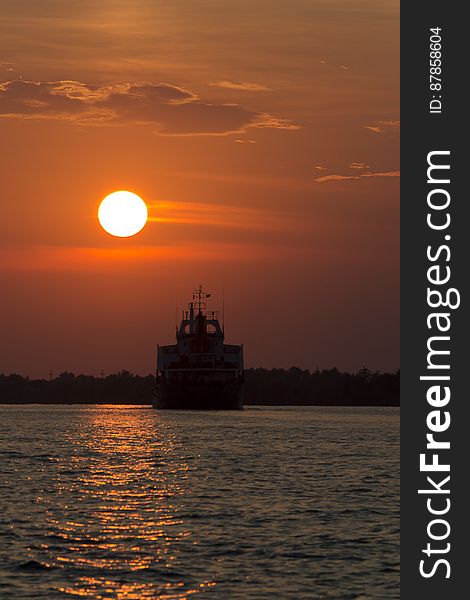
(359, 166)
(361, 176)
(7, 66)
(384, 174)
(384, 127)
(170, 109)
(246, 86)
(374, 128)
(220, 215)
(96, 259)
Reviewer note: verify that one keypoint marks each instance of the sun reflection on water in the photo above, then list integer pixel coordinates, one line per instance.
(114, 522)
(121, 502)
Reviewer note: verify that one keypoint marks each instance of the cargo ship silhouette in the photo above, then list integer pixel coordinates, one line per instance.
(200, 371)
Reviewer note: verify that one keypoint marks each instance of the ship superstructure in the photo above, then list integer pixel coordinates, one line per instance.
(200, 371)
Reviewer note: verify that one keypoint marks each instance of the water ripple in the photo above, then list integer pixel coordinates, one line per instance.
(128, 503)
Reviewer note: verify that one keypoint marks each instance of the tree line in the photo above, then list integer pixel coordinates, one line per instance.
(294, 386)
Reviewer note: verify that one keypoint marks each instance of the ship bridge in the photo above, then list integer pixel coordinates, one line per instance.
(200, 340)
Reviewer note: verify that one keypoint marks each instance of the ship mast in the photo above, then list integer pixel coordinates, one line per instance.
(199, 300)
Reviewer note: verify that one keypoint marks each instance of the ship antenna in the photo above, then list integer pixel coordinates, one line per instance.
(200, 299)
(223, 306)
(176, 313)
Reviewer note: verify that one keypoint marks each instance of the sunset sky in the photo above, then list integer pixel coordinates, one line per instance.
(264, 137)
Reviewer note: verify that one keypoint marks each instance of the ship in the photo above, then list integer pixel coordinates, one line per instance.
(200, 371)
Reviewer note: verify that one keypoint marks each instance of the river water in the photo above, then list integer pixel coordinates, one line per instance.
(113, 502)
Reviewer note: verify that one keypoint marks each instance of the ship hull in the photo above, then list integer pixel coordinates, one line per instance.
(199, 395)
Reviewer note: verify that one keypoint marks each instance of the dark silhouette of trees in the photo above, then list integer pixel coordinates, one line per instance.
(293, 386)
(329, 387)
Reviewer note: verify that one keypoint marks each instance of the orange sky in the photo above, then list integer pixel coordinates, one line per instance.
(264, 137)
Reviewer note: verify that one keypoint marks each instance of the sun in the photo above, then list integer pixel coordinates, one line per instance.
(123, 213)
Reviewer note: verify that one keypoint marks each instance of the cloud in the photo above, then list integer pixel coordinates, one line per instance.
(33, 258)
(7, 66)
(384, 127)
(335, 178)
(220, 215)
(385, 174)
(359, 166)
(346, 177)
(169, 109)
(267, 121)
(246, 86)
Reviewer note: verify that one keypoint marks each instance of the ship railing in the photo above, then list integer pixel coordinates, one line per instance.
(211, 315)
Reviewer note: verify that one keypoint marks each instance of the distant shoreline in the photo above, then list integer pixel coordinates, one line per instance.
(263, 387)
(150, 407)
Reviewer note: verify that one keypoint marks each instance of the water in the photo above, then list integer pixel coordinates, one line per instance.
(112, 502)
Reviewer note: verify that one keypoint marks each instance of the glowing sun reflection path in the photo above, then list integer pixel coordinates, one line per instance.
(114, 526)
